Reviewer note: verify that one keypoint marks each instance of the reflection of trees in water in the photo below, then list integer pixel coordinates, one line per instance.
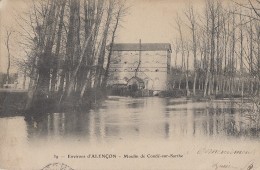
(217, 118)
(94, 126)
(67, 125)
(167, 129)
(161, 118)
(250, 111)
(137, 104)
(230, 121)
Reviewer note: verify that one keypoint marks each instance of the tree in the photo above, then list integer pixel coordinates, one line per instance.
(67, 41)
(192, 21)
(121, 11)
(7, 44)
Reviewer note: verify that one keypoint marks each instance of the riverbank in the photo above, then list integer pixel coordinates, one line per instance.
(12, 102)
(177, 93)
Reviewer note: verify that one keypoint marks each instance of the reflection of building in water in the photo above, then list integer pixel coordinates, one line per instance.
(136, 118)
(142, 65)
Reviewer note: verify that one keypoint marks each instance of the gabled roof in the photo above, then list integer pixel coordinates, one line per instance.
(142, 47)
(137, 79)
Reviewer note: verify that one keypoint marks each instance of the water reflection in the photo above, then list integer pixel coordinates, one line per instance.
(128, 118)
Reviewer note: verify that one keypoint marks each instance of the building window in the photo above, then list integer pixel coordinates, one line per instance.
(125, 62)
(157, 70)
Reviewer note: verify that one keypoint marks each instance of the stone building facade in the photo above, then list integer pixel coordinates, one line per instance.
(147, 62)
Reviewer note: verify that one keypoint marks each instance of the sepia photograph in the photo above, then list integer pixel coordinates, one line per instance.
(129, 85)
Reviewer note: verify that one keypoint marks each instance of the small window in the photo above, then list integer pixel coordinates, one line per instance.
(125, 62)
(157, 70)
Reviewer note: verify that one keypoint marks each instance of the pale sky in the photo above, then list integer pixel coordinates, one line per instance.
(152, 20)
(149, 20)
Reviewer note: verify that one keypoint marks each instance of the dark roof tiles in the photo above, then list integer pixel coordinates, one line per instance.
(143, 47)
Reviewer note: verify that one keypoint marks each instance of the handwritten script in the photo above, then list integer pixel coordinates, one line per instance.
(248, 166)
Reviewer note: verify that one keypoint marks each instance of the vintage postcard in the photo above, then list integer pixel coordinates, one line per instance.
(129, 84)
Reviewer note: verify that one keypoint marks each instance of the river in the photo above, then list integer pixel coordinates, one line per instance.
(129, 125)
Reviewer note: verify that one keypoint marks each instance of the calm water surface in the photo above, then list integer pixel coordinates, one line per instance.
(128, 125)
(128, 118)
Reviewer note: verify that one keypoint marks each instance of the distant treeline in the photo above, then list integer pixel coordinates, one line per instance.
(220, 52)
